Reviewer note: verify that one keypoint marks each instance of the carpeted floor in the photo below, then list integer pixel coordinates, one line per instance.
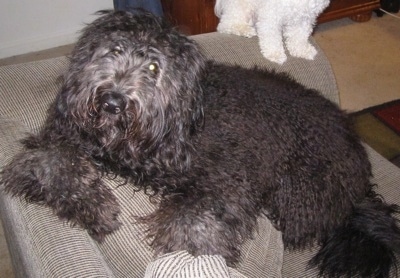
(379, 127)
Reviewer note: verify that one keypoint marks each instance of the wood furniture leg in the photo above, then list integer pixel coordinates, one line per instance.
(363, 17)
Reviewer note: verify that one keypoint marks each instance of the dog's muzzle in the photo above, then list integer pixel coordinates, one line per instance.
(113, 103)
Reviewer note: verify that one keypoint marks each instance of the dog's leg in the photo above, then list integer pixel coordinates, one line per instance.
(202, 224)
(269, 30)
(236, 18)
(297, 35)
(67, 181)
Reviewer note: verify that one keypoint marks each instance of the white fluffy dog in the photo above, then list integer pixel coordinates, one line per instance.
(275, 22)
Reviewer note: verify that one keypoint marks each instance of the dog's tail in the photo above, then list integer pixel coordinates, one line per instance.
(366, 246)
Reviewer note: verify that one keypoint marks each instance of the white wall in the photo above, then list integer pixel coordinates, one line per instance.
(32, 25)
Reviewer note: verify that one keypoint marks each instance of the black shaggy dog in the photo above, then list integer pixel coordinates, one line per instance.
(218, 145)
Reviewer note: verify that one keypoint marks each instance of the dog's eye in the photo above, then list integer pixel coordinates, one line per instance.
(153, 67)
(116, 51)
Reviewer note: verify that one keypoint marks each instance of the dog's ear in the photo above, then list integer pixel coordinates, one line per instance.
(190, 63)
(195, 63)
(181, 79)
(61, 104)
(69, 86)
(66, 88)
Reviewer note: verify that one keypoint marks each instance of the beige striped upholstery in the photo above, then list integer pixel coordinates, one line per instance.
(43, 246)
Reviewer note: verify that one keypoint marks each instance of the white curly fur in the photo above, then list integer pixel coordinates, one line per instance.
(275, 22)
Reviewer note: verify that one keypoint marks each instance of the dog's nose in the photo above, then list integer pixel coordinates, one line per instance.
(113, 103)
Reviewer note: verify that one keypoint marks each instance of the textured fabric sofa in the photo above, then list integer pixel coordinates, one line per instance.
(42, 246)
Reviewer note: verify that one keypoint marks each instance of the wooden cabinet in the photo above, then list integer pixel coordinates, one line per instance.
(357, 10)
(191, 16)
(197, 16)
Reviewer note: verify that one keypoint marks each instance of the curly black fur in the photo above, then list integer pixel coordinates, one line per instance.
(218, 144)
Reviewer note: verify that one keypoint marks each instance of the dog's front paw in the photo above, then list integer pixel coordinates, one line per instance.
(239, 29)
(20, 178)
(97, 212)
(272, 49)
(69, 183)
(274, 55)
(305, 50)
